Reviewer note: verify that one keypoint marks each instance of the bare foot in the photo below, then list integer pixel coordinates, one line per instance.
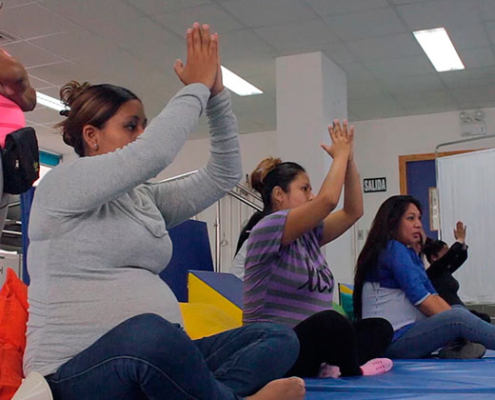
(281, 389)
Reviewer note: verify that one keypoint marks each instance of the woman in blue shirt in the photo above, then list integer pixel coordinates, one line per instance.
(391, 282)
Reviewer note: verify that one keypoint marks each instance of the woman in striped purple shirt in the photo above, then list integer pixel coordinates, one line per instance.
(287, 279)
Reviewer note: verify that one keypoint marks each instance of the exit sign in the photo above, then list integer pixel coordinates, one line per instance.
(372, 185)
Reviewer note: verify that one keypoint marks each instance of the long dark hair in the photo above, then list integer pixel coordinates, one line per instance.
(270, 173)
(255, 218)
(383, 229)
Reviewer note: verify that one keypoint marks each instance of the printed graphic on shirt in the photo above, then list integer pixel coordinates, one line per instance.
(285, 284)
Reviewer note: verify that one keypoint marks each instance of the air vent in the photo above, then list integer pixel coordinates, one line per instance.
(5, 38)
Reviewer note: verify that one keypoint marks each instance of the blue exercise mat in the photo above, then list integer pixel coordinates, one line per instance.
(415, 379)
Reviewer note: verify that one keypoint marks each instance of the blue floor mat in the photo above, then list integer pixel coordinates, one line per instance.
(415, 379)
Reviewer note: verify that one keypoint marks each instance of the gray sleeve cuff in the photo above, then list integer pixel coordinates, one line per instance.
(218, 103)
(197, 90)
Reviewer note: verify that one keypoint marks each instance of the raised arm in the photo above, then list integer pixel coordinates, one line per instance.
(461, 254)
(340, 221)
(182, 199)
(14, 83)
(454, 257)
(95, 180)
(307, 216)
(451, 261)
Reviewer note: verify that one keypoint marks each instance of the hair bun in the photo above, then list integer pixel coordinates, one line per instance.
(262, 170)
(71, 91)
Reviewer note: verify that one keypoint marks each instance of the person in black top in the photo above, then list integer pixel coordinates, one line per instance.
(444, 261)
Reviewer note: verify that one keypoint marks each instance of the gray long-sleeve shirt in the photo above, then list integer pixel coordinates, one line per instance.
(99, 234)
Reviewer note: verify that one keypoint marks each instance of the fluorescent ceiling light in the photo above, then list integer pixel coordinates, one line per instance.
(237, 84)
(50, 102)
(230, 80)
(44, 169)
(439, 49)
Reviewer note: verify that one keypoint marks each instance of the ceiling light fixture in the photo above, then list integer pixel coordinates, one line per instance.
(232, 81)
(439, 49)
(237, 84)
(50, 102)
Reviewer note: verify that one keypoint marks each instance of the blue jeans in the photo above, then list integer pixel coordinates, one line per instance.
(434, 332)
(147, 357)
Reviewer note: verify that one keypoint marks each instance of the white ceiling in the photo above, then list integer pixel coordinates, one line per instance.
(134, 43)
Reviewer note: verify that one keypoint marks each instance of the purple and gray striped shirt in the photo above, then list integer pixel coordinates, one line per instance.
(285, 284)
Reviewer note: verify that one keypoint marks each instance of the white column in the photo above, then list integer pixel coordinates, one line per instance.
(311, 92)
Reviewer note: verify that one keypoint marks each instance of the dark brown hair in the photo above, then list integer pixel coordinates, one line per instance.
(432, 247)
(384, 228)
(272, 172)
(269, 173)
(89, 105)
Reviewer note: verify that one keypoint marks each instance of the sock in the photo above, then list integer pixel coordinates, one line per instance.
(377, 366)
(329, 371)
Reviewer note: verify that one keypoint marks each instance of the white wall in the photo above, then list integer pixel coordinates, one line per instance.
(311, 93)
(194, 154)
(379, 143)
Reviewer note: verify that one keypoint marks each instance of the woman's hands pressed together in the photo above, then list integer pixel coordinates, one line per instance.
(342, 137)
(202, 65)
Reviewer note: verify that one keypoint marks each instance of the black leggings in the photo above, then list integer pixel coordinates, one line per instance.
(328, 337)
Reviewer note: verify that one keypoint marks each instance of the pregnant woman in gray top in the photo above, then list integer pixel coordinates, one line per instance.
(102, 323)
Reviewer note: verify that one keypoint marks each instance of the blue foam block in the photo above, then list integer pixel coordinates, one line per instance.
(227, 285)
(191, 251)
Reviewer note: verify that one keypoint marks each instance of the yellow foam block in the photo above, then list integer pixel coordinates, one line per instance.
(200, 292)
(343, 288)
(202, 320)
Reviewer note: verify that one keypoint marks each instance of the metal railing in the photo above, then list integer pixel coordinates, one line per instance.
(240, 203)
